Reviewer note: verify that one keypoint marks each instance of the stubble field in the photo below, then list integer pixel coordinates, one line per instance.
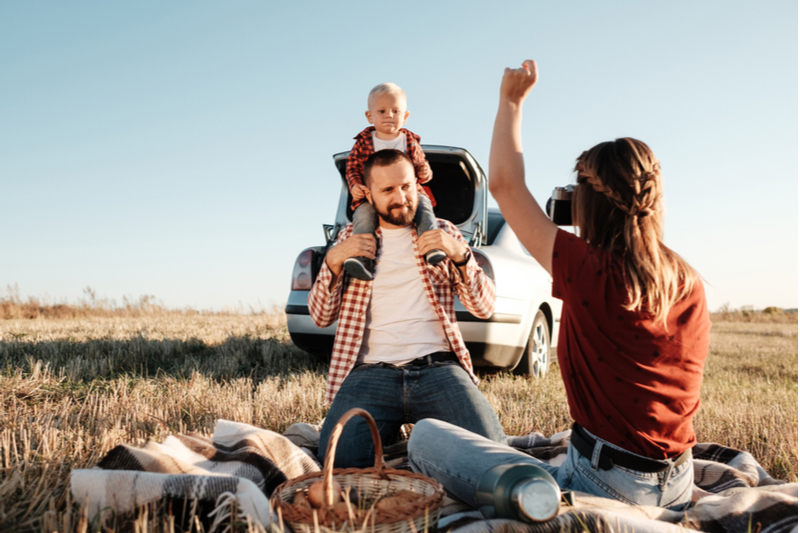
(74, 384)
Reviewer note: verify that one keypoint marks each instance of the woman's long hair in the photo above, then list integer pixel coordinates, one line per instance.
(618, 206)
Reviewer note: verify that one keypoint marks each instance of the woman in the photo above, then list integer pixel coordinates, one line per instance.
(634, 327)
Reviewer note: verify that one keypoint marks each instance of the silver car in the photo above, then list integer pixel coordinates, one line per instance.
(519, 336)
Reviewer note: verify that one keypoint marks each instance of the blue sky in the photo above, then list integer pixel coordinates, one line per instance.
(183, 149)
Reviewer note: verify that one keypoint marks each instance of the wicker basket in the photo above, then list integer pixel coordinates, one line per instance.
(417, 516)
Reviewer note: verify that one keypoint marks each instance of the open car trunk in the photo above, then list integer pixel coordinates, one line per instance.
(458, 186)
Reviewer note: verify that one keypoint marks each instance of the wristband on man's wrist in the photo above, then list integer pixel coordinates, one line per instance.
(465, 261)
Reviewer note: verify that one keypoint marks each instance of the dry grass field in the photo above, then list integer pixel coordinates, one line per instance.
(76, 381)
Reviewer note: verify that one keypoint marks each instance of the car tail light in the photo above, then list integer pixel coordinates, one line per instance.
(301, 274)
(484, 263)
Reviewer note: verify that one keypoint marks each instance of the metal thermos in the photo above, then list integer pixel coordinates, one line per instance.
(519, 492)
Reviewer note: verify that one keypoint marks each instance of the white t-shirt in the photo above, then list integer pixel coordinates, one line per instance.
(401, 323)
(398, 143)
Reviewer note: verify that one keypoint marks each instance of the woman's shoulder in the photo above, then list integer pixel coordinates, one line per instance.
(693, 308)
(581, 270)
(570, 248)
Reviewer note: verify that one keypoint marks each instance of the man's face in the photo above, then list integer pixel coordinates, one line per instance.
(393, 193)
(387, 112)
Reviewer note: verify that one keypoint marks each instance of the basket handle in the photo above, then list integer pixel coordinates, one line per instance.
(327, 471)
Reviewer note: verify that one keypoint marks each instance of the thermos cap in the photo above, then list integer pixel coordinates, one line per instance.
(536, 499)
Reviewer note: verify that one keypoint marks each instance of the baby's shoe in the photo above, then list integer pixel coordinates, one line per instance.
(434, 257)
(359, 268)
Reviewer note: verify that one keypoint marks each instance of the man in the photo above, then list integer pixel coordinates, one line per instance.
(398, 352)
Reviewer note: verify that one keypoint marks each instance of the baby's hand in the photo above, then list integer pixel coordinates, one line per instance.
(359, 191)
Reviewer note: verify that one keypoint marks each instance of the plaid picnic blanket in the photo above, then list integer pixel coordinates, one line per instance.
(239, 461)
(732, 491)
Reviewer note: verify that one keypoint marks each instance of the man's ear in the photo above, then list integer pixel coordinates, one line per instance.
(368, 195)
(369, 116)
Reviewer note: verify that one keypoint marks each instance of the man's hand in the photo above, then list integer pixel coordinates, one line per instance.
(358, 245)
(518, 82)
(440, 239)
(359, 191)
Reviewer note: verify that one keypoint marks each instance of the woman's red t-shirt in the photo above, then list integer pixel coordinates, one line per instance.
(629, 380)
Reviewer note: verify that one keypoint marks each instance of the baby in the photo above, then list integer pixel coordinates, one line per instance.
(387, 112)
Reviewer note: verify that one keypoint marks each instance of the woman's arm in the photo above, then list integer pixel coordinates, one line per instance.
(507, 169)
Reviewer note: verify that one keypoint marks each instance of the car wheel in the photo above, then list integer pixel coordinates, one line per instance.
(536, 356)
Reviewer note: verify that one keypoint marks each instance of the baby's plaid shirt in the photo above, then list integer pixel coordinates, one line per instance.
(363, 148)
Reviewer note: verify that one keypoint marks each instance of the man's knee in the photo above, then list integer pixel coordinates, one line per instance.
(354, 448)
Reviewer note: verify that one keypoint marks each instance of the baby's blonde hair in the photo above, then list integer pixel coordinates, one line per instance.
(384, 88)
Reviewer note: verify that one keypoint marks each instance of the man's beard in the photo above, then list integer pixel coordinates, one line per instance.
(398, 219)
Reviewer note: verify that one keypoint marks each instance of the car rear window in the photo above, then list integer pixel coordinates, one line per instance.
(496, 222)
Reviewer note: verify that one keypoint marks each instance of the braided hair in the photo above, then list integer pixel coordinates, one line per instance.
(618, 207)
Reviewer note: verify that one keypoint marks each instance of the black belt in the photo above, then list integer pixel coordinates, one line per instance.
(584, 443)
(436, 357)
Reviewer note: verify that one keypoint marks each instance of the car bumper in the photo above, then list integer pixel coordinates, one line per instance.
(494, 342)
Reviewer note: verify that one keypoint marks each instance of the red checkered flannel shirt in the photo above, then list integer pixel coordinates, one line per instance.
(350, 297)
(363, 148)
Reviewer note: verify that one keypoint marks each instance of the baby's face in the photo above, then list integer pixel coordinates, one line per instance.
(387, 112)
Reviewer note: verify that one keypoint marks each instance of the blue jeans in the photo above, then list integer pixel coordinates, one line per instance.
(458, 458)
(365, 218)
(394, 396)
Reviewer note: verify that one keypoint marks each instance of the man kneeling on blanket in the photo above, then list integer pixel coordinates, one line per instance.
(634, 327)
(398, 352)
